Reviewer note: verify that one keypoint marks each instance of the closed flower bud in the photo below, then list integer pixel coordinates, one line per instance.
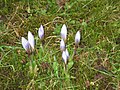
(67, 53)
(64, 57)
(41, 32)
(25, 44)
(62, 45)
(77, 38)
(64, 32)
(31, 40)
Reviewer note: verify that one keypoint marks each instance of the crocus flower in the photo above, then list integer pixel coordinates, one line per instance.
(64, 57)
(41, 32)
(67, 53)
(77, 38)
(64, 32)
(62, 45)
(25, 44)
(31, 40)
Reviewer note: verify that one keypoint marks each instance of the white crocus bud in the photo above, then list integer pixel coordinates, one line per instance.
(64, 32)
(64, 57)
(77, 38)
(25, 44)
(67, 53)
(41, 32)
(62, 45)
(31, 40)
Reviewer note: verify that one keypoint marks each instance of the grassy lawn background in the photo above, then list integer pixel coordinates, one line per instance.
(97, 63)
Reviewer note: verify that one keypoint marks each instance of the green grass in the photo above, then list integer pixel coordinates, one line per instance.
(97, 63)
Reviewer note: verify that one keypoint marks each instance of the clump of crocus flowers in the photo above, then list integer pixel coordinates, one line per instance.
(29, 44)
(65, 53)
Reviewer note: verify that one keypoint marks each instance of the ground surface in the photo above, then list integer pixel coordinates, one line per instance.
(96, 66)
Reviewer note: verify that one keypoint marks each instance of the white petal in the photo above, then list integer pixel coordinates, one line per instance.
(25, 44)
(77, 38)
(64, 57)
(62, 45)
(31, 39)
(41, 32)
(64, 32)
(67, 53)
